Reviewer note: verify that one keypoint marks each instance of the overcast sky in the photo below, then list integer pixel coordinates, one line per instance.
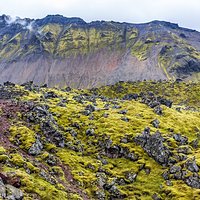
(184, 12)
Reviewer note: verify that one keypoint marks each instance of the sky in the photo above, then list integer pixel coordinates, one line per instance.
(184, 12)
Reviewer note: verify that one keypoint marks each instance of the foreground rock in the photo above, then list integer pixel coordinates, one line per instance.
(10, 192)
(154, 146)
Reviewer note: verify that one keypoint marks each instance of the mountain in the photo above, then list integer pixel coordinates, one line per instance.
(132, 140)
(68, 51)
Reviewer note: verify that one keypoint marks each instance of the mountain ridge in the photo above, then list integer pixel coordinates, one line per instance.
(69, 51)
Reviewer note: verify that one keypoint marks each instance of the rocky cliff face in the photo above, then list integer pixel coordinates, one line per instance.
(68, 51)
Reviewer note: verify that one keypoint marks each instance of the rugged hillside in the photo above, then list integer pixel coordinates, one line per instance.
(68, 51)
(136, 140)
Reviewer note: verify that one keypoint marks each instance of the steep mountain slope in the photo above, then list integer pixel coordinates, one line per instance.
(68, 51)
(136, 140)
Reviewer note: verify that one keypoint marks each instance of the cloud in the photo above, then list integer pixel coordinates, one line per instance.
(26, 24)
(186, 13)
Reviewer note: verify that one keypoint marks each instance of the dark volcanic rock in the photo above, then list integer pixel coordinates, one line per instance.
(154, 146)
(181, 139)
(9, 92)
(158, 110)
(36, 148)
(8, 84)
(90, 107)
(50, 95)
(193, 181)
(89, 132)
(192, 166)
(123, 112)
(155, 123)
(130, 97)
(165, 102)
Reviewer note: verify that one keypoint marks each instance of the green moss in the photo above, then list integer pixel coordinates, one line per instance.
(50, 147)
(59, 172)
(83, 156)
(32, 168)
(84, 176)
(177, 92)
(33, 184)
(17, 159)
(2, 150)
(25, 135)
(3, 158)
(12, 46)
(74, 197)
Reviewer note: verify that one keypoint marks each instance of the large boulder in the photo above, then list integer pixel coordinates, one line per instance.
(154, 146)
(13, 193)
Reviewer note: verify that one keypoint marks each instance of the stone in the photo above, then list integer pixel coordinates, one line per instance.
(130, 97)
(61, 104)
(183, 140)
(177, 176)
(174, 169)
(8, 84)
(124, 140)
(193, 182)
(101, 179)
(67, 89)
(2, 189)
(100, 194)
(195, 143)
(147, 170)
(50, 95)
(89, 132)
(91, 117)
(90, 107)
(116, 107)
(154, 146)
(13, 193)
(192, 166)
(126, 119)
(131, 156)
(28, 85)
(114, 191)
(184, 150)
(76, 125)
(166, 102)
(146, 131)
(158, 110)
(36, 148)
(108, 143)
(165, 175)
(51, 160)
(156, 197)
(121, 181)
(73, 133)
(123, 112)
(47, 177)
(131, 176)
(153, 104)
(169, 183)
(105, 115)
(155, 123)
(86, 112)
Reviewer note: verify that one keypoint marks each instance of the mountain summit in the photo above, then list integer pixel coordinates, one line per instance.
(68, 51)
